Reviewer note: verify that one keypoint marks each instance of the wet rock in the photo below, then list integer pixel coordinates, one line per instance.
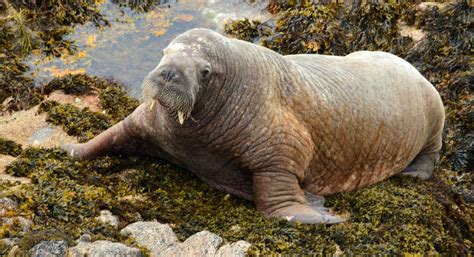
(160, 240)
(7, 205)
(153, 236)
(106, 217)
(51, 248)
(236, 249)
(103, 248)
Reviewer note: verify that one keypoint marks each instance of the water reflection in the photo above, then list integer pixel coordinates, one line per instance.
(132, 45)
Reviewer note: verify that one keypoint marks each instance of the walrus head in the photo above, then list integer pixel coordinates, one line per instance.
(182, 72)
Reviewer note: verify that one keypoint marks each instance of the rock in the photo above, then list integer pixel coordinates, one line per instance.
(160, 240)
(153, 236)
(103, 248)
(10, 241)
(7, 205)
(203, 243)
(107, 218)
(51, 248)
(85, 238)
(13, 222)
(236, 249)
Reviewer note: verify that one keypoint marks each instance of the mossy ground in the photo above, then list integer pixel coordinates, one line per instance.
(398, 216)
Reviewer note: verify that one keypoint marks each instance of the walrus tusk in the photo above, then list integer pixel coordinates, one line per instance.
(152, 105)
(180, 117)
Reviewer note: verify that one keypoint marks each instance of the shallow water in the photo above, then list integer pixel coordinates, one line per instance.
(132, 45)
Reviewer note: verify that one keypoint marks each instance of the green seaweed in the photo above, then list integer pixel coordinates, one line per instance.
(76, 122)
(9, 147)
(116, 102)
(401, 215)
(243, 29)
(26, 26)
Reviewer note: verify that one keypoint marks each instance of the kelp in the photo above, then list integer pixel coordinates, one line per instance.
(76, 122)
(113, 99)
(27, 26)
(445, 58)
(139, 5)
(334, 29)
(401, 215)
(243, 29)
(9, 147)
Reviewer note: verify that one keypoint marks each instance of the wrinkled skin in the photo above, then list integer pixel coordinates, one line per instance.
(280, 130)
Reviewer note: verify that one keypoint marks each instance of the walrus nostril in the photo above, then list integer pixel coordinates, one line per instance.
(168, 74)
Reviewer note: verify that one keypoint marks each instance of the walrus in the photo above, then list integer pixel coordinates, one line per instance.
(282, 131)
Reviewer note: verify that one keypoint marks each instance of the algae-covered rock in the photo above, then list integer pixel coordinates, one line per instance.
(50, 248)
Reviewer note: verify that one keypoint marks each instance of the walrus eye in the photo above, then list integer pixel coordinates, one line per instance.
(205, 73)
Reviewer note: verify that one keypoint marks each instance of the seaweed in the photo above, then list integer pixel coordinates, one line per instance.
(116, 102)
(444, 57)
(243, 29)
(329, 29)
(9, 147)
(76, 122)
(26, 26)
(112, 96)
(401, 215)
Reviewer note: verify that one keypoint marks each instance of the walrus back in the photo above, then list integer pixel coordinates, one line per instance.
(371, 112)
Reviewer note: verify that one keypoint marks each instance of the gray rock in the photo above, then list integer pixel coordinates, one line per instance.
(24, 223)
(103, 248)
(85, 238)
(153, 236)
(160, 240)
(10, 241)
(7, 205)
(51, 248)
(237, 249)
(107, 218)
(203, 243)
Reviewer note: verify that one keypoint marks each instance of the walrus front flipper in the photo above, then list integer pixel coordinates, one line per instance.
(279, 195)
(124, 137)
(106, 142)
